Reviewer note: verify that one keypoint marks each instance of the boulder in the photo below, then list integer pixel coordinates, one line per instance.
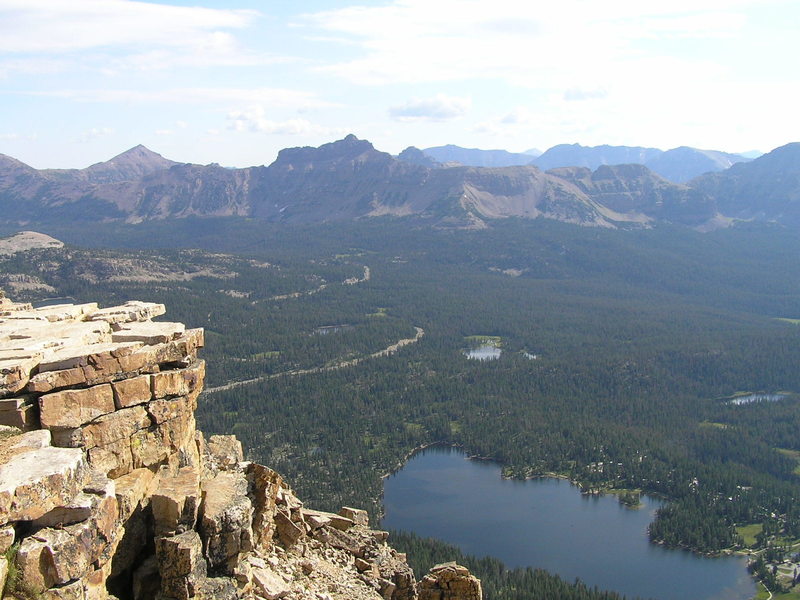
(7, 537)
(264, 484)
(287, 531)
(131, 311)
(15, 370)
(130, 490)
(449, 581)
(180, 564)
(53, 557)
(357, 515)
(34, 482)
(176, 501)
(148, 332)
(226, 515)
(225, 450)
(269, 585)
(21, 413)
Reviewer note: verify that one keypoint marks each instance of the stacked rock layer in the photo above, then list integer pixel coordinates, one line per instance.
(107, 489)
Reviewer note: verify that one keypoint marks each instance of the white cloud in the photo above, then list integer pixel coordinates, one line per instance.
(255, 119)
(114, 36)
(577, 94)
(48, 26)
(273, 97)
(94, 133)
(534, 44)
(438, 108)
(163, 132)
(511, 122)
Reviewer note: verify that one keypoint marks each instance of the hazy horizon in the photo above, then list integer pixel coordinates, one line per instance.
(234, 82)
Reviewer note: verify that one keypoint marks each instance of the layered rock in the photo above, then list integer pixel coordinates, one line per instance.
(107, 490)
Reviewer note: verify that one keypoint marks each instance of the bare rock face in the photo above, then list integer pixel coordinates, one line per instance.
(108, 491)
(449, 581)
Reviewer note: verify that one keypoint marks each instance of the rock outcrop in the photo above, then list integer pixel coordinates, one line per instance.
(107, 489)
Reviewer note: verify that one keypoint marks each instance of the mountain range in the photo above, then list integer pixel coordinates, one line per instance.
(349, 179)
(678, 165)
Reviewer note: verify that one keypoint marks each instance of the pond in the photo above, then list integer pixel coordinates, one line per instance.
(750, 398)
(326, 329)
(484, 352)
(547, 523)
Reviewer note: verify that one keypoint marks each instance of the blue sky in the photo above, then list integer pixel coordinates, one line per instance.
(233, 82)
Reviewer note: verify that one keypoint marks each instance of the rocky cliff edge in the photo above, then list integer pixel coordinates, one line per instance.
(108, 491)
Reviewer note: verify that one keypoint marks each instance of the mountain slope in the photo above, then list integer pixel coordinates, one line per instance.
(678, 165)
(349, 179)
(575, 155)
(636, 190)
(474, 157)
(766, 189)
(684, 163)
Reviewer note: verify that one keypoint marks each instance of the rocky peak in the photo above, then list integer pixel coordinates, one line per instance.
(347, 150)
(129, 165)
(415, 156)
(108, 492)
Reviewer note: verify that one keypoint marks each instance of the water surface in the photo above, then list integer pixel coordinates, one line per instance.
(750, 398)
(547, 523)
(484, 352)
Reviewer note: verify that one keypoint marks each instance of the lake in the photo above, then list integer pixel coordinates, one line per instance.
(750, 398)
(484, 352)
(548, 524)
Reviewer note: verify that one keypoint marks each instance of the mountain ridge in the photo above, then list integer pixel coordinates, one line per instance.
(350, 179)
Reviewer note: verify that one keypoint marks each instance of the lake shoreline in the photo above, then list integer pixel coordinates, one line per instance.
(473, 523)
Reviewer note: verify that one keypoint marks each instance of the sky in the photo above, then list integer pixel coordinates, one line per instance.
(235, 81)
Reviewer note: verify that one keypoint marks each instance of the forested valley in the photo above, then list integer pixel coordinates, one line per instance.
(621, 353)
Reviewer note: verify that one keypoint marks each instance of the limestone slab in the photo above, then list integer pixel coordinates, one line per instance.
(73, 408)
(176, 501)
(178, 382)
(270, 585)
(131, 489)
(128, 392)
(226, 514)
(149, 332)
(133, 310)
(33, 483)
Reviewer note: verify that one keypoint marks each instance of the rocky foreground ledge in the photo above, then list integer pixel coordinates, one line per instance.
(107, 490)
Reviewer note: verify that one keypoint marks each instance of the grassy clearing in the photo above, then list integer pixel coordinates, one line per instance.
(490, 340)
(381, 312)
(261, 355)
(793, 595)
(792, 321)
(713, 425)
(749, 533)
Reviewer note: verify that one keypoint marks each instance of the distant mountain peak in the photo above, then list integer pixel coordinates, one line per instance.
(415, 156)
(350, 148)
(476, 157)
(137, 153)
(134, 163)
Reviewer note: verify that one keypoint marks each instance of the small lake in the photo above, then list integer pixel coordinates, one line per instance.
(750, 398)
(325, 330)
(548, 524)
(484, 352)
